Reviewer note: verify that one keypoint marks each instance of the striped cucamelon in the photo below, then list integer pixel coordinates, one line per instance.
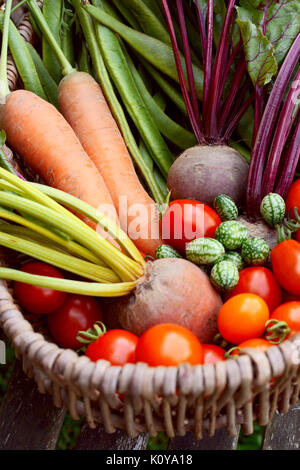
(232, 234)
(272, 209)
(255, 251)
(225, 207)
(235, 258)
(224, 276)
(167, 251)
(204, 251)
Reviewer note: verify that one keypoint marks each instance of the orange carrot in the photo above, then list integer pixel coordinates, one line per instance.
(83, 105)
(48, 144)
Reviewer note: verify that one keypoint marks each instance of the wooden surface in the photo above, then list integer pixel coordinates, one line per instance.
(283, 433)
(97, 439)
(221, 441)
(28, 419)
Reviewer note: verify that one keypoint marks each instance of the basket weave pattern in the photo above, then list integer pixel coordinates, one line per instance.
(138, 398)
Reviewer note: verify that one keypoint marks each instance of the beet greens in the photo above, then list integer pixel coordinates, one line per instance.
(224, 69)
(270, 32)
(250, 57)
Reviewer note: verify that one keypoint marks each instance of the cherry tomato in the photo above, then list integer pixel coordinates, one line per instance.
(259, 281)
(185, 220)
(212, 353)
(293, 199)
(289, 313)
(77, 313)
(285, 258)
(168, 345)
(243, 317)
(257, 343)
(39, 300)
(116, 346)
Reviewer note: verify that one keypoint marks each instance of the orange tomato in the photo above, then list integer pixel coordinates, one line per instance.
(168, 345)
(256, 343)
(289, 313)
(243, 317)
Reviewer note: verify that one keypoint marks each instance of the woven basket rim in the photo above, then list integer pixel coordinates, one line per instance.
(7, 303)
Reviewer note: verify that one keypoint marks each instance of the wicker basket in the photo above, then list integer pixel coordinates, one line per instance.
(138, 398)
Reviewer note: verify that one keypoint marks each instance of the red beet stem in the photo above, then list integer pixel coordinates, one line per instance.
(188, 61)
(183, 85)
(266, 128)
(201, 25)
(235, 119)
(221, 58)
(230, 100)
(291, 159)
(284, 126)
(208, 61)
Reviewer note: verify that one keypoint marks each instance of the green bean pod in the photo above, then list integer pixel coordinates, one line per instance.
(166, 86)
(149, 22)
(52, 11)
(153, 50)
(66, 34)
(49, 85)
(125, 12)
(118, 68)
(170, 129)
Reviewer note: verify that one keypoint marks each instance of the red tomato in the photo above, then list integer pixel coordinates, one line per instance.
(77, 313)
(168, 345)
(293, 199)
(289, 313)
(186, 220)
(259, 281)
(285, 258)
(39, 300)
(116, 346)
(212, 353)
(243, 317)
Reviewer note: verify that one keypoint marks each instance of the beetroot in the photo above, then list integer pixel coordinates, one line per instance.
(203, 172)
(171, 291)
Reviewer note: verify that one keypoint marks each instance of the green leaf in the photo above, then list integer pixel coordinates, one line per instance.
(280, 25)
(259, 52)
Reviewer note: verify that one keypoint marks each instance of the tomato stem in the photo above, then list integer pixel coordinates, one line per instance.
(92, 334)
(276, 331)
(230, 353)
(220, 341)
